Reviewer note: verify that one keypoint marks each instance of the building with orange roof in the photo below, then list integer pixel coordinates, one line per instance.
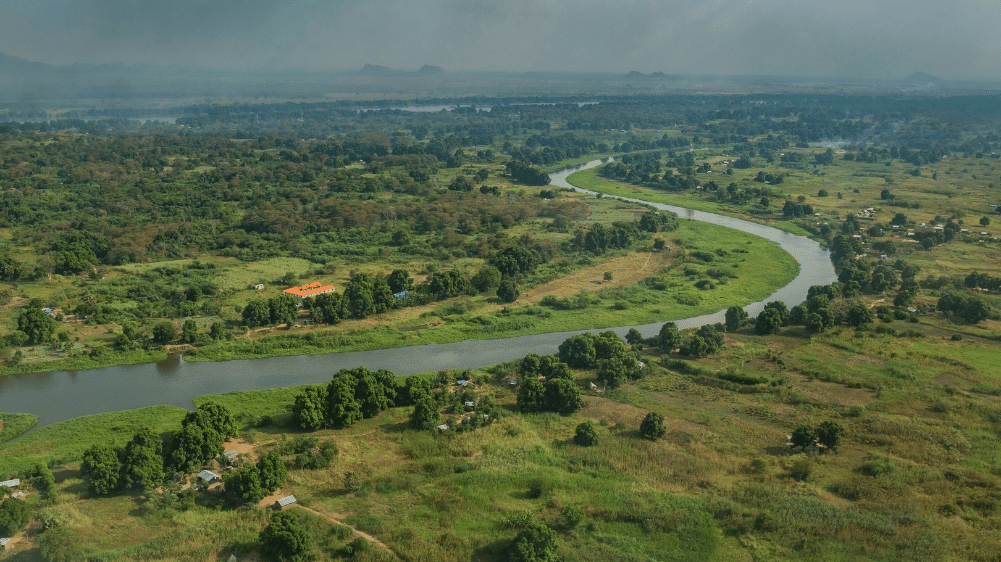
(310, 290)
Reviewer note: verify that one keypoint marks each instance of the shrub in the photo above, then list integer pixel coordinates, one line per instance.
(586, 435)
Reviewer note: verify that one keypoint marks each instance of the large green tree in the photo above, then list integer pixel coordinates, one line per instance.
(531, 395)
(342, 408)
(272, 471)
(14, 515)
(426, 415)
(652, 426)
(534, 543)
(142, 461)
(36, 324)
(101, 469)
(284, 540)
(669, 337)
(562, 396)
(307, 412)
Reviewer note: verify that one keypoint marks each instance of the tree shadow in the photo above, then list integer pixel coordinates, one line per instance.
(495, 551)
(779, 451)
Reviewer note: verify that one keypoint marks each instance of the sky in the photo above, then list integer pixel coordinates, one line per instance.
(878, 39)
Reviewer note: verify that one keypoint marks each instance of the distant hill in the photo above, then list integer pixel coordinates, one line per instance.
(18, 66)
(385, 71)
(428, 70)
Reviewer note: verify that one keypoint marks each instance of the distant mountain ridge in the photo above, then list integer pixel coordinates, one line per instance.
(385, 71)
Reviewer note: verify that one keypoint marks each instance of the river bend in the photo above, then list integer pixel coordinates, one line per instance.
(63, 395)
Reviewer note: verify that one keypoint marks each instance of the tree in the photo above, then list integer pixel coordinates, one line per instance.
(189, 331)
(399, 280)
(164, 332)
(425, 416)
(669, 337)
(307, 412)
(652, 426)
(256, 313)
(985, 221)
(14, 515)
(562, 396)
(243, 487)
(272, 471)
(634, 337)
(530, 365)
(283, 540)
(614, 371)
(804, 436)
(508, 291)
(486, 278)
(586, 435)
(62, 544)
(142, 461)
(768, 322)
(10, 269)
(534, 543)
(829, 434)
(358, 293)
(100, 466)
(578, 351)
(283, 309)
(706, 341)
(859, 315)
(36, 324)
(370, 395)
(814, 323)
(531, 395)
(342, 408)
(219, 418)
(735, 318)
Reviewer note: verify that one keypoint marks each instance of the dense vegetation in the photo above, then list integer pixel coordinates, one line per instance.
(858, 424)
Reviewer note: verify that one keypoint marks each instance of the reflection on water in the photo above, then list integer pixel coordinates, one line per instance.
(59, 396)
(169, 365)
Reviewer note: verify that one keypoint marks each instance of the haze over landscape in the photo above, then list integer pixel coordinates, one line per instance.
(840, 39)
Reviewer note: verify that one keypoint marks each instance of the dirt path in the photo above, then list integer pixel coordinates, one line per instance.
(339, 520)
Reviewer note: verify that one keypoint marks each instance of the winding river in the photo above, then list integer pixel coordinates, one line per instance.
(63, 395)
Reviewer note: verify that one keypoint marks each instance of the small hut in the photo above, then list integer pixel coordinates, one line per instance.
(280, 504)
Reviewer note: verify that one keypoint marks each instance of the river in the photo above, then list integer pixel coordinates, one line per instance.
(63, 395)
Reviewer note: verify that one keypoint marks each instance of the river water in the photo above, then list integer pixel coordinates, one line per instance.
(63, 395)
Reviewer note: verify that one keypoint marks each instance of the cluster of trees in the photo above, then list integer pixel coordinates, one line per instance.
(14, 515)
(828, 434)
(600, 238)
(141, 464)
(351, 395)
(612, 358)
(524, 172)
(968, 308)
(977, 280)
(252, 483)
(559, 392)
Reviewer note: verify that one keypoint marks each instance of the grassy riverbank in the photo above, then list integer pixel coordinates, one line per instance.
(911, 481)
(590, 180)
(14, 425)
(745, 269)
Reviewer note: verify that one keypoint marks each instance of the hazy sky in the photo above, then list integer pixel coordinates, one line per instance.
(850, 38)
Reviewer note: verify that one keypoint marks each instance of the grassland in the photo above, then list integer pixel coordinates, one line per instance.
(14, 425)
(917, 476)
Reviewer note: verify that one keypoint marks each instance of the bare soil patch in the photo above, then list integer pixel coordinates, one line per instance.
(242, 447)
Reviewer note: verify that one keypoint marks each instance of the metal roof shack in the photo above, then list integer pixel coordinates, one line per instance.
(3, 543)
(208, 475)
(11, 483)
(282, 502)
